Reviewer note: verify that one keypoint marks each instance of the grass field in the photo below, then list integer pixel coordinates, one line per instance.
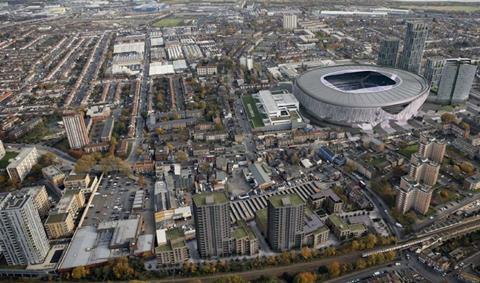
(445, 8)
(168, 22)
(409, 150)
(4, 161)
(252, 112)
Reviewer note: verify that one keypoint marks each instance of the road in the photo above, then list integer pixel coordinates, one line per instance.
(379, 204)
(70, 160)
(364, 274)
(140, 125)
(427, 272)
(446, 212)
(271, 271)
(245, 126)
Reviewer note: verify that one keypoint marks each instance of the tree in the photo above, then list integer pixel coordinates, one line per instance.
(390, 255)
(231, 279)
(141, 181)
(465, 126)
(355, 245)
(79, 272)
(444, 194)
(330, 251)
(334, 269)
(360, 264)
(294, 159)
(181, 156)
(85, 164)
(467, 167)
(306, 253)
(448, 118)
(371, 241)
(47, 159)
(160, 131)
(304, 277)
(121, 269)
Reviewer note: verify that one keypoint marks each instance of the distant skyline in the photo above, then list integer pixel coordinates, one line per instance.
(432, 1)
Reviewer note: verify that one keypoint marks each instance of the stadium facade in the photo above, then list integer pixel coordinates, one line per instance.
(361, 96)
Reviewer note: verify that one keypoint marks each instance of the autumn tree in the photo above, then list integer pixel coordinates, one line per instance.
(467, 167)
(181, 156)
(306, 253)
(231, 279)
(79, 272)
(334, 269)
(304, 277)
(85, 164)
(448, 118)
(122, 270)
(360, 264)
(371, 241)
(355, 245)
(330, 251)
(390, 255)
(47, 159)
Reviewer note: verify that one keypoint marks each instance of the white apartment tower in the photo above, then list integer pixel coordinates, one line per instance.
(22, 236)
(290, 21)
(76, 130)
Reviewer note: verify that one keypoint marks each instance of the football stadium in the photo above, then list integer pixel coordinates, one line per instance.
(361, 96)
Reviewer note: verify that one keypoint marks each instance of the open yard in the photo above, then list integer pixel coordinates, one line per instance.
(4, 161)
(409, 150)
(168, 22)
(252, 112)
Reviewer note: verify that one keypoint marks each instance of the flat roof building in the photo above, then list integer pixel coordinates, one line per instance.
(76, 129)
(285, 222)
(22, 236)
(212, 224)
(54, 175)
(23, 163)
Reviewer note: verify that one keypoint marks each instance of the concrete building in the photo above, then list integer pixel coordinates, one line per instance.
(83, 182)
(2, 150)
(455, 82)
(61, 220)
(388, 52)
(23, 163)
(39, 197)
(260, 175)
(433, 71)
(212, 224)
(22, 237)
(53, 175)
(423, 171)
(413, 195)
(245, 242)
(207, 70)
(76, 130)
(327, 199)
(343, 230)
(246, 62)
(286, 215)
(472, 183)
(172, 247)
(432, 148)
(290, 21)
(413, 47)
(361, 96)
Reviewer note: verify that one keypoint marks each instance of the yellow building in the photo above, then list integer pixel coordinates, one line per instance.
(61, 221)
